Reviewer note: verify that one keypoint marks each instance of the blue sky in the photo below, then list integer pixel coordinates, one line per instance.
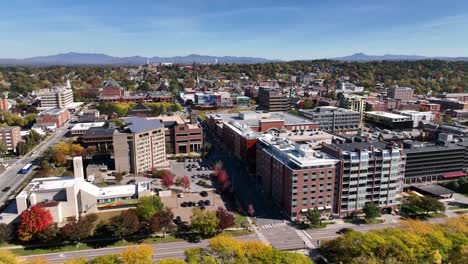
(273, 29)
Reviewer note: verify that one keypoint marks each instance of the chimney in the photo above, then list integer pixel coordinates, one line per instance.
(78, 167)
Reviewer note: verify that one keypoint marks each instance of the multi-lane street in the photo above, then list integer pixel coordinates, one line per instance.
(11, 178)
(161, 251)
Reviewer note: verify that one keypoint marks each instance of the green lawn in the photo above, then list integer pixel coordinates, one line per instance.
(239, 220)
(82, 246)
(242, 232)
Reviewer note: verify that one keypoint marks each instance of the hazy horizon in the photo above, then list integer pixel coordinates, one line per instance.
(287, 31)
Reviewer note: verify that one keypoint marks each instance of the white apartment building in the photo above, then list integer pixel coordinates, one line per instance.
(56, 97)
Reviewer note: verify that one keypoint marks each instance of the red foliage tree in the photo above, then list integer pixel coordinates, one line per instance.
(225, 218)
(162, 221)
(185, 183)
(33, 221)
(167, 180)
(251, 210)
(222, 177)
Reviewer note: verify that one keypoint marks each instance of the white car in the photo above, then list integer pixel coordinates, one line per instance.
(180, 195)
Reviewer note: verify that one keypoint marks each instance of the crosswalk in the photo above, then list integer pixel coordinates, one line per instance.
(273, 225)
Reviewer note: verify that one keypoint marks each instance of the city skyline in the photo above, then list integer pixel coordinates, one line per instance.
(286, 31)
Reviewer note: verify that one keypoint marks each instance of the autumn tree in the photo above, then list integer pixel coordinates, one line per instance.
(106, 259)
(125, 224)
(162, 221)
(7, 257)
(204, 222)
(225, 249)
(141, 254)
(185, 183)
(33, 221)
(225, 219)
(48, 234)
(251, 210)
(79, 261)
(77, 231)
(167, 180)
(148, 206)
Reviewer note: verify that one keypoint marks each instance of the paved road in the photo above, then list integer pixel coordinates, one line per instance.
(161, 251)
(11, 178)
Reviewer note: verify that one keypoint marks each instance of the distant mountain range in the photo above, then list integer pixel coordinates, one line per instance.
(390, 57)
(73, 58)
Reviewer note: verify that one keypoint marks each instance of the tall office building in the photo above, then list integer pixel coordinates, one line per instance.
(272, 100)
(139, 146)
(427, 162)
(401, 93)
(57, 97)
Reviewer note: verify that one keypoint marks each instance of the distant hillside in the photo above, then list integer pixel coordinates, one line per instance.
(73, 58)
(390, 57)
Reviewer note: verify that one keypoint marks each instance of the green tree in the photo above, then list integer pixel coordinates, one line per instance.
(431, 204)
(148, 206)
(314, 217)
(3, 148)
(125, 224)
(371, 211)
(6, 233)
(204, 222)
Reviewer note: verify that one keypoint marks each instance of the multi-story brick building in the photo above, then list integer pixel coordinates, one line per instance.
(112, 89)
(334, 119)
(10, 137)
(53, 116)
(240, 131)
(181, 136)
(370, 172)
(139, 146)
(4, 105)
(295, 176)
(273, 100)
(401, 93)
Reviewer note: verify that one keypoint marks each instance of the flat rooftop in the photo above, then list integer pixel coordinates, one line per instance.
(140, 124)
(387, 115)
(302, 155)
(253, 118)
(81, 126)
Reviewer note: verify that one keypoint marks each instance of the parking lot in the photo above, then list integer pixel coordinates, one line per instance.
(196, 170)
(180, 205)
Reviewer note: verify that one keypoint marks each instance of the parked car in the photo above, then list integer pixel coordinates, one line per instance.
(6, 189)
(184, 204)
(344, 230)
(201, 203)
(204, 194)
(178, 220)
(207, 202)
(180, 195)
